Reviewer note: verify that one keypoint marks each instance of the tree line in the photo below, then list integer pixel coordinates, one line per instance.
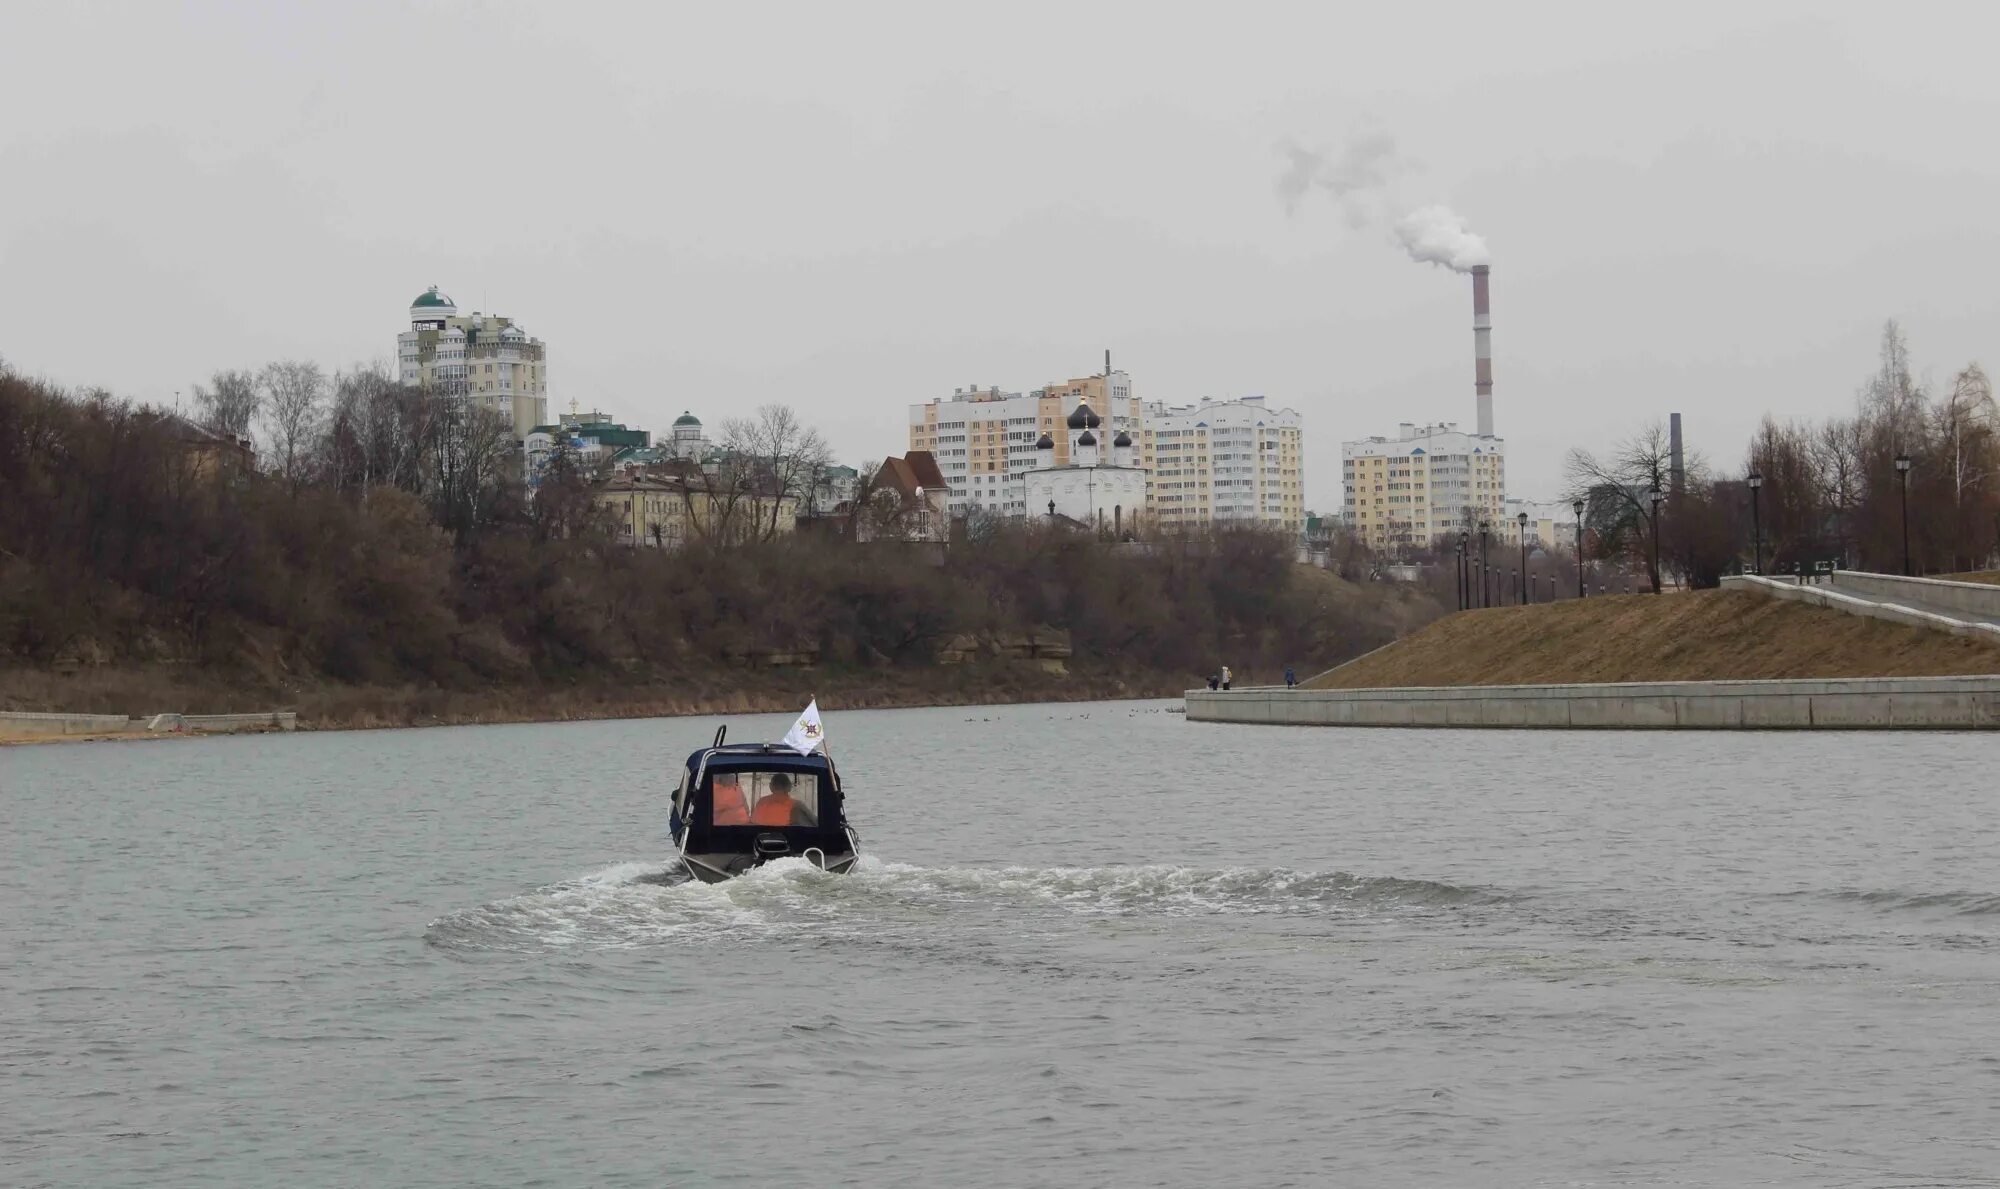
(386, 536)
(1838, 491)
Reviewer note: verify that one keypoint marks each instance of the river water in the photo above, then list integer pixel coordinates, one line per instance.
(1091, 945)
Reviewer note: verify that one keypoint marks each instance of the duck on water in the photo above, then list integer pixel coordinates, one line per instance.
(741, 805)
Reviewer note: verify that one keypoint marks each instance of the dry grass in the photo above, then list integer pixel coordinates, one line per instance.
(1989, 577)
(1698, 636)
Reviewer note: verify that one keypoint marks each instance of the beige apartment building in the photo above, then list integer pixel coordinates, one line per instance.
(484, 357)
(1225, 462)
(1404, 492)
(1215, 462)
(672, 511)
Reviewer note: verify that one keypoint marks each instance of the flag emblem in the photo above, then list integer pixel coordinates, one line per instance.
(806, 735)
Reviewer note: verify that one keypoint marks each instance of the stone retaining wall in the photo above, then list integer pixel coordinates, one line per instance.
(21, 724)
(28, 725)
(1924, 703)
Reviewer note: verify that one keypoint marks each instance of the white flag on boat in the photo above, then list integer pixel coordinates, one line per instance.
(806, 735)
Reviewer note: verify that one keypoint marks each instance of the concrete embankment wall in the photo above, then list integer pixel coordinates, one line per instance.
(1924, 703)
(1973, 598)
(1968, 597)
(26, 725)
(23, 725)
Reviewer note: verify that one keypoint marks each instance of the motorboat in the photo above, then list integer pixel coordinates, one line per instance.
(741, 805)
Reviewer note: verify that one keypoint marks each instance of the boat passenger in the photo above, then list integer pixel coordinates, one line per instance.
(776, 808)
(729, 807)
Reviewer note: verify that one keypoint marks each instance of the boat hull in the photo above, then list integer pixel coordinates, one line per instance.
(717, 867)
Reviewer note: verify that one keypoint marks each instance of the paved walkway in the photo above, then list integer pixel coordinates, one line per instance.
(1870, 596)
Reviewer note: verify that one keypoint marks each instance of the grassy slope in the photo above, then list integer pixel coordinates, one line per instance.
(1698, 636)
(1989, 577)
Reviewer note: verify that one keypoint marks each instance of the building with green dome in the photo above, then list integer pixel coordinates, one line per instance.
(690, 440)
(486, 358)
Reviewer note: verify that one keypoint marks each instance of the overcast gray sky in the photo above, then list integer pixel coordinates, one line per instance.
(1707, 208)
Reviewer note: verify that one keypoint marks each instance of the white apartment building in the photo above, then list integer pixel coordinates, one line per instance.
(1406, 491)
(484, 357)
(1225, 462)
(984, 439)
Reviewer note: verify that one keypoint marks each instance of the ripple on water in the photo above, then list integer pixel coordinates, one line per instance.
(628, 905)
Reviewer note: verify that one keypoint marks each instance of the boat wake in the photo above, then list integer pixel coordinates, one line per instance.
(642, 904)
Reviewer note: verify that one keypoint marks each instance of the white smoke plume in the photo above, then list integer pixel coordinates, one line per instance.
(1352, 178)
(1358, 180)
(1436, 235)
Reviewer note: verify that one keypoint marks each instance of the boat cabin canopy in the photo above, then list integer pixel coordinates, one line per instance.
(728, 795)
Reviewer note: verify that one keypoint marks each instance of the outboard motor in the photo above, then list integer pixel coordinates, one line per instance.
(770, 846)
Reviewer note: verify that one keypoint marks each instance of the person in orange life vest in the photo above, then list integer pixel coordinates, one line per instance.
(776, 808)
(729, 807)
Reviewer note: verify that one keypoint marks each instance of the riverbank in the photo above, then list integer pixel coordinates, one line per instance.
(1706, 635)
(334, 706)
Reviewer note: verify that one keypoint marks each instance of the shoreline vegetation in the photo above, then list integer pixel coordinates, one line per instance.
(371, 565)
(332, 707)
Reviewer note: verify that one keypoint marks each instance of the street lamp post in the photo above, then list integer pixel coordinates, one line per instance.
(1464, 572)
(1485, 593)
(1756, 521)
(1655, 496)
(1522, 521)
(1903, 474)
(1577, 507)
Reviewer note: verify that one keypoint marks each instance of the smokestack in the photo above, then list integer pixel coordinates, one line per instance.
(1677, 464)
(1482, 349)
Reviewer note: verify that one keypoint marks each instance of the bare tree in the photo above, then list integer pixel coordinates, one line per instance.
(294, 400)
(229, 404)
(472, 463)
(1967, 423)
(1617, 492)
(1840, 459)
(715, 505)
(1964, 428)
(1891, 400)
(782, 458)
(367, 440)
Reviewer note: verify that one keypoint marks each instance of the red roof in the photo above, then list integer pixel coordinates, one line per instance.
(916, 469)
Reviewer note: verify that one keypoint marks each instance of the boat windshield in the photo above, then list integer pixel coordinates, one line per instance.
(765, 799)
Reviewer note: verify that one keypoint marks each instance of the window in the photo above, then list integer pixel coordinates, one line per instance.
(764, 799)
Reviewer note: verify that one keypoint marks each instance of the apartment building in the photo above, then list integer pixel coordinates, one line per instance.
(484, 357)
(1404, 492)
(1551, 523)
(1224, 462)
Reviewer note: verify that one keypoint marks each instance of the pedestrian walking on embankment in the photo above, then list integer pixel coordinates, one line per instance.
(1225, 677)
(1291, 679)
